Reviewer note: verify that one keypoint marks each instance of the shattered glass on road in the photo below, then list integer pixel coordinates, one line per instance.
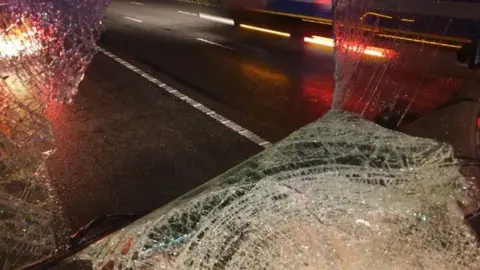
(45, 47)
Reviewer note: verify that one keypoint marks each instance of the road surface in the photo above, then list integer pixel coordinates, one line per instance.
(261, 81)
(125, 145)
(265, 82)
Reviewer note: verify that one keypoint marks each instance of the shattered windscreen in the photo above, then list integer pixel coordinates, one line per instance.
(45, 47)
(342, 192)
(348, 191)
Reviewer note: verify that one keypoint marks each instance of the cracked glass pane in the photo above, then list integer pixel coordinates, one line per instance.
(45, 47)
(399, 58)
(342, 192)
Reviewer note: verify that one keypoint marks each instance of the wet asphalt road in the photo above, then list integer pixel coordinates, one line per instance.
(125, 145)
(263, 82)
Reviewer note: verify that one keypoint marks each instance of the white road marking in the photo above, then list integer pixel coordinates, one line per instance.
(197, 105)
(137, 3)
(214, 43)
(217, 19)
(209, 17)
(188, 13)
(133, 19)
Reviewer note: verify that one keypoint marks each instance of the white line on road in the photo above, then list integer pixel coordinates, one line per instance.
(214, 43)
(137, 3)
(209, 17)
(197, 105)
(187, 13)
(217, 19)
(133, 19)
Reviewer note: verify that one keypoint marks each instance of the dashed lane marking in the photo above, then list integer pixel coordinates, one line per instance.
(190, 101)
(214, 43)
(133, 19)
(187, 13)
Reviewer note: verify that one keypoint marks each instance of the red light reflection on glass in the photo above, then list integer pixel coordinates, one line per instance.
(318, 92)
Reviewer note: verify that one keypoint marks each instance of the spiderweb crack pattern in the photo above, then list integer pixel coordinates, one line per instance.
(45, 48)
(341, 193)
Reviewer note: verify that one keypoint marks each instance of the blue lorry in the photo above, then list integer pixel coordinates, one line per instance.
(303, 18)
(307, 8)
(299, 18)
